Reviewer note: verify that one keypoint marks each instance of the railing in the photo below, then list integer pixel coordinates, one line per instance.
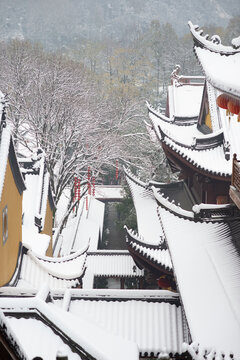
(216, 214)
(236, 173)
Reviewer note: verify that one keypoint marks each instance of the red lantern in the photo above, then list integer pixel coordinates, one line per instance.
(164, 283)
(222, 101)
(234, 106)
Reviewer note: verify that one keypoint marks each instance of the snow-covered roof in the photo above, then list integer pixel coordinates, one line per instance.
(109, 263)
(206, 152)
(109, 192)
(176, 192)
(10, 335)
(199, 212)
(157, 255)
(58, 273)
(38, 188)
(221, 64)
(85, 337)
(35, 329)
(149, 228)
(184, 99)
(4, 149)
(206, 265)
(85, 228)
(154, 325)
(6, 146)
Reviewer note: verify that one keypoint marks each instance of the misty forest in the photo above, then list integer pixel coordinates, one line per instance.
(78, 87)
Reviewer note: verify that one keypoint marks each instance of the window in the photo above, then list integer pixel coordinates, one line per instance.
(5, 224)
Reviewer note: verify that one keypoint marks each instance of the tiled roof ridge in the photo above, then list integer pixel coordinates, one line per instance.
(171, 206)
(133, 177)
(56, 275)
(158, 113)
(60, 259)
(140, 249)
(104, 294)
(140, 240)
(211, 140)
(191, 161)
(134, 234)
(164, 184)
(107, 252)
(213, 44)
(184, 121)
(200, 212)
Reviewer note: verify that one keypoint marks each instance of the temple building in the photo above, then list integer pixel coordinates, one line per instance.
(198, 223)
(184, 259)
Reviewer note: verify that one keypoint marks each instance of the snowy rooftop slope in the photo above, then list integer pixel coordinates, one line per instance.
(85, 228)
(211, 160)
(58, 273)
(7, 331)
(184, 100)
(155, 326)
(206, 266)
(180, 133)
(30, 235)
(4, 149)
(220, 63)
(35, 202)
(109, 192)
(69, 232)
(149, 227)
(90, 225)
(222, 71)
(156, 255)
(92, 339)
(110, 264)
(34, 329)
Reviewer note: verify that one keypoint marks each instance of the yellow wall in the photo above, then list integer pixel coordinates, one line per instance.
(48, 227)
(208, 120)
(9, 251)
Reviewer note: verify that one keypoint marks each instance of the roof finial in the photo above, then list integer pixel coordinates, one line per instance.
(175, 73)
